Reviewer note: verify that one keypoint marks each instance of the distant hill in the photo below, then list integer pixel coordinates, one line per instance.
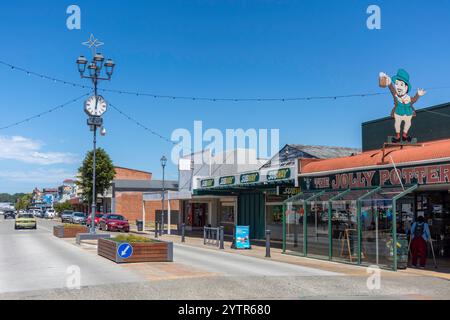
(11, 198)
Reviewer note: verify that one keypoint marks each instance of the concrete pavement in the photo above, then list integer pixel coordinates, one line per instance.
(34, 265)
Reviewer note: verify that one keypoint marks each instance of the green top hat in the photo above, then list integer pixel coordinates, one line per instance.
(402, 75)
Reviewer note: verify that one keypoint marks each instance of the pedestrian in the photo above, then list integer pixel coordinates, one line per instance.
(420, 235)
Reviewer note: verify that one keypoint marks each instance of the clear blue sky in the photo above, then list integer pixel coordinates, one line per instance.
(207, 48)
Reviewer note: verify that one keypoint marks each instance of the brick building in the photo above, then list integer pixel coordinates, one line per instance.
(126, 195)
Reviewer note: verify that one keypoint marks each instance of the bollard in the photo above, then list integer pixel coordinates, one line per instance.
(204, 236)
(222, 235)
(268, 232)
(183, 232)
(156, 229)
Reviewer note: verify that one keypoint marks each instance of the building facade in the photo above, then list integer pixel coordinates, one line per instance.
(360, 209)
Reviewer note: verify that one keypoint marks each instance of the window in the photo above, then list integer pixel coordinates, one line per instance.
(227, 212)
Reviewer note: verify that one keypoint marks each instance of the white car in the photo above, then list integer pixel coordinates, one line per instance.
(50, 214)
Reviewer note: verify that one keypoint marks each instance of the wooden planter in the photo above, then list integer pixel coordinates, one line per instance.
(68, 232)
(142, 252)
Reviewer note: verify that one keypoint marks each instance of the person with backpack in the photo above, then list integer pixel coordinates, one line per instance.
(420, 235)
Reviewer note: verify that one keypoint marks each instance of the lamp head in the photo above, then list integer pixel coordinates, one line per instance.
(110, 65)
(82, 62)
(163, 161)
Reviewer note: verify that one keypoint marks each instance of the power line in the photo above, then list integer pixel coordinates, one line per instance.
(191, 98)
(61, 106)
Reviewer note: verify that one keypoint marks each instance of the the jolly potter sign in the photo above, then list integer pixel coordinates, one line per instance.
(422, 175)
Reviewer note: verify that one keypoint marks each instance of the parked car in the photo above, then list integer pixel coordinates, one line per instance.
(66, 215)
(97, 219)
(50, 214)
(40, 214)
(78, 218)
(114, 222)
(9, 215)
(25, 221)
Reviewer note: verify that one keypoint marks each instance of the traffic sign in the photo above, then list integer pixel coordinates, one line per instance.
(125, 251)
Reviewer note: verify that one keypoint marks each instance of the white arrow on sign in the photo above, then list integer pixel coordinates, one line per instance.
(124, 252)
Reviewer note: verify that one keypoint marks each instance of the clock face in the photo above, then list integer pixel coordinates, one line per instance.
(95, 106)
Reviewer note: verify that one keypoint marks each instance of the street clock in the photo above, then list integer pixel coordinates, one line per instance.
(95, 106)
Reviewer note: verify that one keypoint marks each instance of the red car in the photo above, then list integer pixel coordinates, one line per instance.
(97, 219)
(114, 222)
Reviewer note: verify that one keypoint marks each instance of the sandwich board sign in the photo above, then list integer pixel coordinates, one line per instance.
(242, 237)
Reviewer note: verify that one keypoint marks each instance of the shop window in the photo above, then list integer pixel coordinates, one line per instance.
(227, 217)
(344, 231)
(274, 220)
(294, 228)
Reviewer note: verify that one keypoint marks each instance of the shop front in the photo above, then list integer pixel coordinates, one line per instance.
(210, 210)
(360, 209)
(252, 199)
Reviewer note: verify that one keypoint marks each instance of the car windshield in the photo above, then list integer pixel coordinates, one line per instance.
(98, 215)
(115, 217)
(25, 216)
(79, 215)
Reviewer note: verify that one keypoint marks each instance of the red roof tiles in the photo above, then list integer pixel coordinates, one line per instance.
(427, 151)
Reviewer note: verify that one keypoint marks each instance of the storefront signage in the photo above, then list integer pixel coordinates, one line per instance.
(242, 237)
(281, 174)
(250, 178)
(227, 181)
(288, 191)
(422, 175)
(208, 183)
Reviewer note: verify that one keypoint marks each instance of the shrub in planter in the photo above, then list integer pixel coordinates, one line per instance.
(69, 230)
(144, 249)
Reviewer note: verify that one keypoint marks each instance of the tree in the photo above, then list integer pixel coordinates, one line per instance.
(60, 207)
(24, 202)
(105, 174)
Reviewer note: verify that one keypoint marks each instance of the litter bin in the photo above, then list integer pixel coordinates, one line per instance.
(140, 225)
(402, 251)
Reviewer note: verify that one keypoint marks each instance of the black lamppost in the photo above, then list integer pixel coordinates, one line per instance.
(163, 165)
(95, 107)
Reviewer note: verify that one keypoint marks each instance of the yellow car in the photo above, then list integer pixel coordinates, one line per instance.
(25, 221)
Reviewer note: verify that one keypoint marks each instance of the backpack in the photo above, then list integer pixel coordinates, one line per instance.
(420, 228)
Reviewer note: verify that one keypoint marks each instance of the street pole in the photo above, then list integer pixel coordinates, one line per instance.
(163, 201)
(95, 114)
(94, 200)
(94, 166)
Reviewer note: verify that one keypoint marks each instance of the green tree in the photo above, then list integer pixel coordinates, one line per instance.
(60, 207)
(105, 173)
(24, 202)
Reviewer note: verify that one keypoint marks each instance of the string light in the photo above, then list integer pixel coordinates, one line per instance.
(139, 124)
(61, 106)
(192, 98)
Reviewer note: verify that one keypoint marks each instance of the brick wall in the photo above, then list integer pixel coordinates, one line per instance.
(152, 206)
(128, 174)
(129, 204)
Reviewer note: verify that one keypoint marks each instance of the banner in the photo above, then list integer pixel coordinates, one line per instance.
(411, 175)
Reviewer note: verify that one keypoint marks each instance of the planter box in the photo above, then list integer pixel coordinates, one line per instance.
(65, 232)
(142, 252)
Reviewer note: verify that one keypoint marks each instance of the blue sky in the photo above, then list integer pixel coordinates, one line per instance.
(207, 48)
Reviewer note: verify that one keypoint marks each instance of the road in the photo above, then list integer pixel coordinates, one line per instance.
(34, 265)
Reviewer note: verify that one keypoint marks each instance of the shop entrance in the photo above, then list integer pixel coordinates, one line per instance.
(433, 203)
(197, 215)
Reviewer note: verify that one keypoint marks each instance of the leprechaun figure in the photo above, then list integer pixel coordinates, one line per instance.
(403, 111)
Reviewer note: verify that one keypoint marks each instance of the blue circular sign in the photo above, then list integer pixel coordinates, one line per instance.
(125, 250)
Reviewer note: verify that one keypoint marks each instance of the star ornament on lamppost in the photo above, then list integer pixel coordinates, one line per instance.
(93, 44)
